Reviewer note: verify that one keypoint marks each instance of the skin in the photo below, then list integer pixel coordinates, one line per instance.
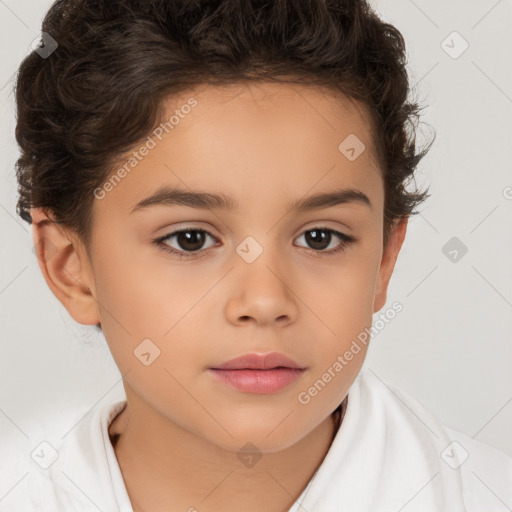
(265, 144)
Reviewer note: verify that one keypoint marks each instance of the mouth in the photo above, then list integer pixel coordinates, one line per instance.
(261, 374)
(255, 361)
(258, 381)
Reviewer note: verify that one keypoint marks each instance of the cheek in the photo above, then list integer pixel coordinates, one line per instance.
(344, 306)
(142, 294)
(139, 286)
(343, 294)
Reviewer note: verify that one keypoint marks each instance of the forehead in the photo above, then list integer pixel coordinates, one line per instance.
(250, 140)
(294, 111)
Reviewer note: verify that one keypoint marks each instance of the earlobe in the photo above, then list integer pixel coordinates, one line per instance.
(389, 257)
(62, 261)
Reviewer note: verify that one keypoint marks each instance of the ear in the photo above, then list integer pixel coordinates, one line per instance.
(389, 257)
(66, 268)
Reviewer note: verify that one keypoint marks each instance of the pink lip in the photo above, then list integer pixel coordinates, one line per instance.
(258, 381)
(254, 373)
(258, 362)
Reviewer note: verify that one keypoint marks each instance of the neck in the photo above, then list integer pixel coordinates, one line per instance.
(165, 466)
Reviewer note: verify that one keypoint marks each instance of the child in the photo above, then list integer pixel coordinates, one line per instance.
(277, 133)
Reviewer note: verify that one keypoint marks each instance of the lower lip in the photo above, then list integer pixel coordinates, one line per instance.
(258, 381)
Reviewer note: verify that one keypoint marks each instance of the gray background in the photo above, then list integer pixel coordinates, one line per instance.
(450, 347)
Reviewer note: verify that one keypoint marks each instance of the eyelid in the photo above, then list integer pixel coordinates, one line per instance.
(340, 227)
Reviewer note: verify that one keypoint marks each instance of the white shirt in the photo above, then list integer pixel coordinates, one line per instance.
(389, 455)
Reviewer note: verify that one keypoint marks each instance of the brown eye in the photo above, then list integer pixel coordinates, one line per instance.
(188, 240)
(319, 239)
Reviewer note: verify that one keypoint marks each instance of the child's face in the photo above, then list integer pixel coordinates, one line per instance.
(266, 146)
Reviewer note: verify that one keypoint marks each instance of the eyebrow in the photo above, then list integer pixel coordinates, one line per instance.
(169, 197)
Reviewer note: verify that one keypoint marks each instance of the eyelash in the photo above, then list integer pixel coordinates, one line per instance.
(346, 240)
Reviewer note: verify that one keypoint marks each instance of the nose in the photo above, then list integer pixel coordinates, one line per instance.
(261, 292)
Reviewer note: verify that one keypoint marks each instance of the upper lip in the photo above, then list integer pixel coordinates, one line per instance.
(258, 362)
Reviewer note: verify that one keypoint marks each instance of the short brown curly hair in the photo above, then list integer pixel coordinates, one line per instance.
(102, 89)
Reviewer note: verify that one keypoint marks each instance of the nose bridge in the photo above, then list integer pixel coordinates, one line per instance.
(261, 255)
(261, 291)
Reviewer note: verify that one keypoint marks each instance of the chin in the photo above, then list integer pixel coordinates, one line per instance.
(266, 438)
